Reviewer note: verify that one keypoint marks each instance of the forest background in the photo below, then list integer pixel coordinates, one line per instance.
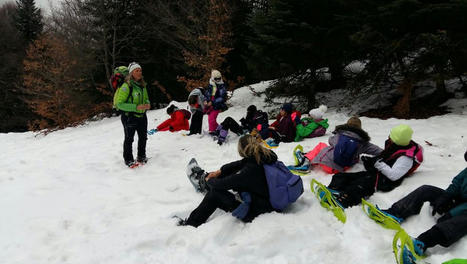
(55, 68)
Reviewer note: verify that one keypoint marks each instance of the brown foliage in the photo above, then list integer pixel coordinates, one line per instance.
(52, 86)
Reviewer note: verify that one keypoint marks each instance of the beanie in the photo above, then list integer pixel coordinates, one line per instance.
(251, 109)
(287, 107)
(401, 135)
(215, 74)
(318, 113)
(171, 109)
(133, 66)
(354, 122)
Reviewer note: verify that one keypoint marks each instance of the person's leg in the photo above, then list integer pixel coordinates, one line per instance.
(361, 185)
(129, 128)
(214, 199)
(445, 233)
(413, 202)
(142, 127)
(340, 180)
(230, 123)
(212, 119)
(196, 123)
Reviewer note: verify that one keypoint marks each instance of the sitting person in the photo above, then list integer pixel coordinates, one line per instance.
(451, 204)
(346, 145)
(178, 121)
(245, 175)
(400, 158)
(196, 102)
(254, 119)
(313, 126)
(216, 97)
(283, 129)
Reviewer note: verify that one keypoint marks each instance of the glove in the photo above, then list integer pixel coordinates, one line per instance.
(369, 163)
(242, 210)
(152, 131)
(442, 204)
(443, 218)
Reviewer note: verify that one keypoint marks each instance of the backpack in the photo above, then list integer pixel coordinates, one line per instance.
(284, 186)
(345, 150)
(186, 113)
(118, 77)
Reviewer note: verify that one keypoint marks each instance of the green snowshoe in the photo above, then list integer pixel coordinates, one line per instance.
(327, 200)
(383, 219)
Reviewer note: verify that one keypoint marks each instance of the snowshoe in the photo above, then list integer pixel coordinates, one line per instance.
(384, 219)
(406, 249)
(298, 155)
(197, 176)
(327, 200)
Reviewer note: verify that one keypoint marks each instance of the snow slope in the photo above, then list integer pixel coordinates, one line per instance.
(68, 198)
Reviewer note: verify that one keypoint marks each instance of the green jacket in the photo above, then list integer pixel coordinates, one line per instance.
(458, 190)
(304, 131)
(139, 96)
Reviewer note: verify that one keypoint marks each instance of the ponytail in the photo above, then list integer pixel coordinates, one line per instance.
(249, 146)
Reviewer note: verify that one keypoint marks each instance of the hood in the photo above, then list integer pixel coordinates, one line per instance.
(358, 131)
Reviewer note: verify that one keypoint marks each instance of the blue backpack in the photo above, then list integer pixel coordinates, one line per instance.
(345, 150)
(284, 186)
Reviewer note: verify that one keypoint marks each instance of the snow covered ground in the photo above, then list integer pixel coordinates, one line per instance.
(68, 198)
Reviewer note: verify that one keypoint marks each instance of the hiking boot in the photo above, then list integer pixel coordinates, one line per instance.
(143, 160)
(222, 136)
(300, 157)
(272, 143)
(408, 256)
(180, 221)
(130, 163)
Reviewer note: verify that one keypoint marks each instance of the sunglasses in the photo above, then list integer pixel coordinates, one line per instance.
(217, 79)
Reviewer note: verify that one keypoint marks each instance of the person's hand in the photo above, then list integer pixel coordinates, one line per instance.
(369, 163)
(143, 107)
(442, 204)
(273, 128)
(213, 174)
(443, 218)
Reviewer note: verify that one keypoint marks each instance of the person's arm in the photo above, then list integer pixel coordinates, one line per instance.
(455, 188)
(231, 181)
(371, 149)
(121, 102)
(231, 168)
(461, 209)
(402, 165)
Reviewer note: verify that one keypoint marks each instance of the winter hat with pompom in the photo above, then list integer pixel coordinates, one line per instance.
(318, 113)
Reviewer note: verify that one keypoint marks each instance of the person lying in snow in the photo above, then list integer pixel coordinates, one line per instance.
(178, 121)
(450, 204)
(245, 175)
(400, 158)
(346, 145)
(313, 126)
(254, 119)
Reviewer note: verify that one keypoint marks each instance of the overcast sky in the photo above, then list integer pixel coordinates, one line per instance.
(43, 4)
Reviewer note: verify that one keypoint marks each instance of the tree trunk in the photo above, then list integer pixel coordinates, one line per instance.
(402, 107)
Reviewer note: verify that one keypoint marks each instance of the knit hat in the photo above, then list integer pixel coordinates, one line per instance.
(318, 113)
(287, 107)
(354, 122)
(401, 135)
(251, 109)
(133, 66)
(171, 109)
(215, 74)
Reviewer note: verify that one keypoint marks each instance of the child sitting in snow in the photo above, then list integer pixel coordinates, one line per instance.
(324, 155)
(400, 158)
(283, 129)
(451, 204)
(254, 119)
(245, 176)
(313, 126)
(178, 121)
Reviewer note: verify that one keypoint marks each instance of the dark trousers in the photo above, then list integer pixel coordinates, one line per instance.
(196, 122)
(232, 125)
(353, 186)
(278, 137)
(450, 230)
(132, 124)
(214, 199)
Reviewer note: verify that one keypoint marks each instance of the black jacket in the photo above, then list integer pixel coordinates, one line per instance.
(246, 175)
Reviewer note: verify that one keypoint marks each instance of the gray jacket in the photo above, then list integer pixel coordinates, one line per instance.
(201, 100)
(326, 155)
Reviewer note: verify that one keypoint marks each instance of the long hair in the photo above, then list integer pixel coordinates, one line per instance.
(248, 146)
(130, 77)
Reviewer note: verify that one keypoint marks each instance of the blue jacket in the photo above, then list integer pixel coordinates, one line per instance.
(458, 190)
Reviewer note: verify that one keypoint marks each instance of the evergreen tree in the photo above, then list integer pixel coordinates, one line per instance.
(28, 19)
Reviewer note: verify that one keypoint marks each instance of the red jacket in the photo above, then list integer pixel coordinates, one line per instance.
(176, 122)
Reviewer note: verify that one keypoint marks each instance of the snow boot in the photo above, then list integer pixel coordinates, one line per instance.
(381, 217)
